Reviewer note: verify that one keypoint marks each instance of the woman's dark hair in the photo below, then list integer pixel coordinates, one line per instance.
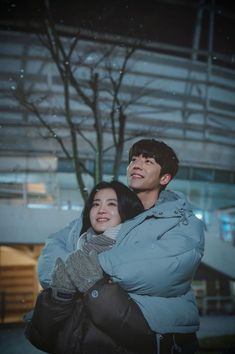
(129, 205)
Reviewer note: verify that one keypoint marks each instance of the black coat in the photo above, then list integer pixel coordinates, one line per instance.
(104, 321)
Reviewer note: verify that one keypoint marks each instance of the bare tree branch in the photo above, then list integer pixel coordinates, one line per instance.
(23, 99)
(90, 90)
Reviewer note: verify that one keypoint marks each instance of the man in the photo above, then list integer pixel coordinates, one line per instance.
(155, 255)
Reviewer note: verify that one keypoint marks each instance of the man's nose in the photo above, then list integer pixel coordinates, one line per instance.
(137, 164)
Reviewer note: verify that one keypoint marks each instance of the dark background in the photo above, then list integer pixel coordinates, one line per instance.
(170, 22)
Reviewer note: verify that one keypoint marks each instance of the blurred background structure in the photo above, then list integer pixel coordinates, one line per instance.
(79, 83)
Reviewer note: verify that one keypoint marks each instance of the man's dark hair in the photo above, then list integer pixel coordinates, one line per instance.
(129, 205)
(163, 154)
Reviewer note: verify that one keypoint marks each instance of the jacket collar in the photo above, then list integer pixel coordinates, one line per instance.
(169, 205)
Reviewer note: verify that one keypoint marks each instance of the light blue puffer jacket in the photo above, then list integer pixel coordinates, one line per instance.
(154, 259)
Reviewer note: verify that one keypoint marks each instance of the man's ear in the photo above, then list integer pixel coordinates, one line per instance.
(165, 179)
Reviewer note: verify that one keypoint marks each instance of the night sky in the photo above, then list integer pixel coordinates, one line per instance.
(170, 22)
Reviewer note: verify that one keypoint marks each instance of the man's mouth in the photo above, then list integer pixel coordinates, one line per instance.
(136, 175)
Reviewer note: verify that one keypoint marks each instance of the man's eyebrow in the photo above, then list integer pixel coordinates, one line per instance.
(149, 157)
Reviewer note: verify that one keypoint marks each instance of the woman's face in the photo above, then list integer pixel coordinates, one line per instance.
(104, 211)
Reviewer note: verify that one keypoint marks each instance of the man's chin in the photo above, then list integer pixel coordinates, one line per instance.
(136, 189)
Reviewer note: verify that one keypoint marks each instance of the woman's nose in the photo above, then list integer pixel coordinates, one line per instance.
(102, 209)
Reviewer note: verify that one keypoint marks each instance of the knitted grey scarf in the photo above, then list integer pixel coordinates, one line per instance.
(90, 241)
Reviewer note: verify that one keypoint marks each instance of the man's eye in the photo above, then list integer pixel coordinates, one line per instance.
(149, 161)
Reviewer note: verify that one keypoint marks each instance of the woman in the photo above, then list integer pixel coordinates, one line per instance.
(62, 319)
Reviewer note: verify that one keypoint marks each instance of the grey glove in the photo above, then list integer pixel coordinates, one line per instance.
(62, 287)
(84, 270)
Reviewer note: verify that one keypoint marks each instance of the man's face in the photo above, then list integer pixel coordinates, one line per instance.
(143, 174)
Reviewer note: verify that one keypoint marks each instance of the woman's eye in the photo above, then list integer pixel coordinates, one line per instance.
(113, 204)
(95, 204)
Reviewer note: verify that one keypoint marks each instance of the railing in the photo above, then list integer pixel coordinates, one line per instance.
(14, 306)
(18, 287)
(216, 304)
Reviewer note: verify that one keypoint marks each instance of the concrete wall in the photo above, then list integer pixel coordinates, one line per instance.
(21, 225)
(25, 225)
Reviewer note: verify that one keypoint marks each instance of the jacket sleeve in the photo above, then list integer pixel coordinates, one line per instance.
(59, 244)
(112, 310)
(48, 314)
(162, 267)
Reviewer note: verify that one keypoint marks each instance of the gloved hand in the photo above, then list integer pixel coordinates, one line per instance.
(62, 287)
(84, 270)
